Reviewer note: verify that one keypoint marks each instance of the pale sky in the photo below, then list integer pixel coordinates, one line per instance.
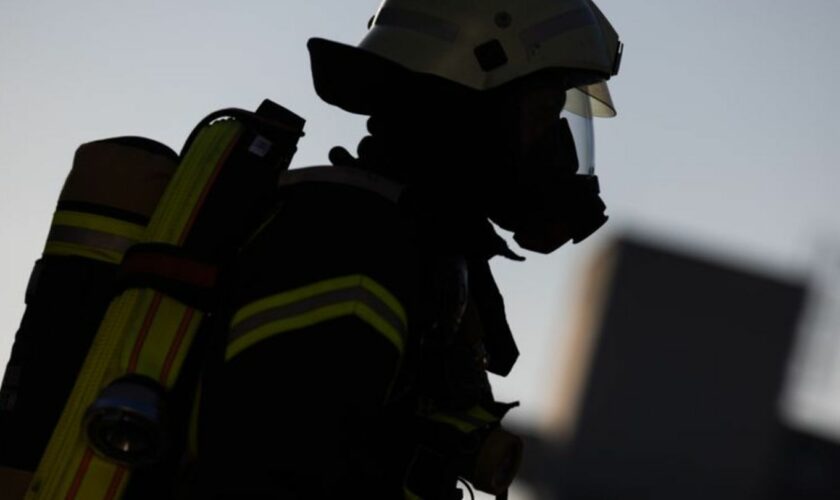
(726, 139)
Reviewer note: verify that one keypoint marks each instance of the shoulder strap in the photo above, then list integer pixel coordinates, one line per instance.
(348, 176)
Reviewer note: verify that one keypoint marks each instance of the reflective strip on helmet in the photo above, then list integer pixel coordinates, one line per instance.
(418, 22)
(466, 422)
(355, 295)
(91, 236)
(556, 26)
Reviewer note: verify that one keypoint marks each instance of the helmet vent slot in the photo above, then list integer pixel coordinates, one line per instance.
(491, 55)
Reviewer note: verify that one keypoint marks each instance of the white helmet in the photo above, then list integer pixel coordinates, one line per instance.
(479, 44)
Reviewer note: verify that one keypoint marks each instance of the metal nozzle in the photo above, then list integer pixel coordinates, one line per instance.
(126, 424)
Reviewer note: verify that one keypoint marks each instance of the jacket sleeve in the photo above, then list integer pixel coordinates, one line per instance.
(318, 322)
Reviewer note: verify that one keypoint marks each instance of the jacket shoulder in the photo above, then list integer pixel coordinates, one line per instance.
(331, 222)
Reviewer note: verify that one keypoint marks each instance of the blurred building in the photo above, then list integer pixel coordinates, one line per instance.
(672, 387)
(812, 396)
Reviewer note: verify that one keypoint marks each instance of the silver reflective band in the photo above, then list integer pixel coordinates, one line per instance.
(344, 175)
(89, 238)
(556, 26)
(355, 294)
(418, 22)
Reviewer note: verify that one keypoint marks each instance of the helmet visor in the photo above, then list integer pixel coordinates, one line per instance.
(591, 100)
(578, 113)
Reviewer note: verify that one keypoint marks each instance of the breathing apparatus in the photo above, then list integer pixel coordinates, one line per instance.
(553, 194)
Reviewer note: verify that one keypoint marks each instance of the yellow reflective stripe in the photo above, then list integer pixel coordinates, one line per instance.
(313, 317)
(175, 211)
(476, 417)
(385, 296)
(374, 319)
(88, 477)
(100, 223)
(103, 480)
(163, 348)
(321, 288)
(355, 295)
(58, 465)
(91, 236)
(461, 425)
(76, 250)
(164, 344)
(410, 495)
(480, 413)
(179, 347)
(292, 296)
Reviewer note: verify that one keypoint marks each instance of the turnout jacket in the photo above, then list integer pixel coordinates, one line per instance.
(358, 327)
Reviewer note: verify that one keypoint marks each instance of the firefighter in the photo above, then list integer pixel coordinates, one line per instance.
(362, 318)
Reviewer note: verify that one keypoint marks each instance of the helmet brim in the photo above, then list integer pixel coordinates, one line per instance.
(362, 82)
(348, 77)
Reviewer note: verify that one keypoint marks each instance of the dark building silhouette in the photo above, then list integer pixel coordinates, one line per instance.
(679, 397)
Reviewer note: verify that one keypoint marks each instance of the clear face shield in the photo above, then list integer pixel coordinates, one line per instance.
(578, 113)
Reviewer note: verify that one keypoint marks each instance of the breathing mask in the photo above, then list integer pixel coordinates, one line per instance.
(555, 195)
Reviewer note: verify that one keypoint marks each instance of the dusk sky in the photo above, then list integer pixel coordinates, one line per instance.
(726, 140)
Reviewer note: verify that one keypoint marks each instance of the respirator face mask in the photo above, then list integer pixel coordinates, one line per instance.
(554, 196)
